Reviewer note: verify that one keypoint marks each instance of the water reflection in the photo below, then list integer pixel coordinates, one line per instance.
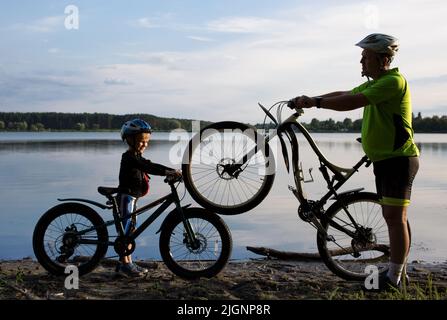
(34, 173)
(432, 147)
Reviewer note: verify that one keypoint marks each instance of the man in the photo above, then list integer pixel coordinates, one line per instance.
(387, 138)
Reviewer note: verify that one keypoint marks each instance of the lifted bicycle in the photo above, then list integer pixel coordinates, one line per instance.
(229, 168)
(194, 242)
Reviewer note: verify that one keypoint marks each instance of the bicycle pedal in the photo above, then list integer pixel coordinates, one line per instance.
(292, 188)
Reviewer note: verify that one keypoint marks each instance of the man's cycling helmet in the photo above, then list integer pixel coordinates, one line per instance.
(380, 43)
(134, 126)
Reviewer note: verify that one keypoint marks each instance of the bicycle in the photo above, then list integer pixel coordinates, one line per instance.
(229, 168)
(194, 242)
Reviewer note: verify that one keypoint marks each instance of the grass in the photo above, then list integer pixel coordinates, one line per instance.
(415, 291)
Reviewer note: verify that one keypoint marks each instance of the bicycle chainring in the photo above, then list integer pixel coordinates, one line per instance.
(124, 245)
(305, 215)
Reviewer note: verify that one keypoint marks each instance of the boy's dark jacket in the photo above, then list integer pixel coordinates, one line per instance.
(133, 173)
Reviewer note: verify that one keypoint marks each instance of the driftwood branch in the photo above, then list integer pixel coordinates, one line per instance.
(287, 255)
(284, 255)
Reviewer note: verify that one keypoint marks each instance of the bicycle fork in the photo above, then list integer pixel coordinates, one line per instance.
(189, 235)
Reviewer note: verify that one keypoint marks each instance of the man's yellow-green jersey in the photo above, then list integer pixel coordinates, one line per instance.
(386, 125)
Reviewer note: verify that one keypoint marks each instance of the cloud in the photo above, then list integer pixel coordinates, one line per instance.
(168, 58)
(429, 80)
(165, 20)
(44, 25)
(117, 82)
(32, 90)
(201, 39)
(291, 52)
(248, 25)
(54, 50)
(146, 23)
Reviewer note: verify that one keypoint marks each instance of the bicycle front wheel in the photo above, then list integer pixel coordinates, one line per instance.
(228, 168)
(211, 252)
(70, 234)
(350, 255)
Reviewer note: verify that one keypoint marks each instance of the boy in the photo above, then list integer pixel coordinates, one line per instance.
(134, 180)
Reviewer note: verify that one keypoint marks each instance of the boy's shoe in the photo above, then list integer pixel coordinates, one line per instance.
(130, 270)
(141, 269)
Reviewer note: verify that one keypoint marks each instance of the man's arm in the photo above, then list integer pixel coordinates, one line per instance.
(334, 94)
(343, 102)
(338, 101)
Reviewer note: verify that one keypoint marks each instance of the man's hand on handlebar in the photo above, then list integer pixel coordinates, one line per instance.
(301, 102)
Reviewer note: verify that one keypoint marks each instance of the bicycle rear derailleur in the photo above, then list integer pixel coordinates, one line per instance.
(69, 243)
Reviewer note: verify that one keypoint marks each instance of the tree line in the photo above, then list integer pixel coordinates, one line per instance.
(434, 124)
(55, 121)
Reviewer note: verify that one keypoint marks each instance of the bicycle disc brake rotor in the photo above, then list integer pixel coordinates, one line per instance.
(227, 169)
(202, 244)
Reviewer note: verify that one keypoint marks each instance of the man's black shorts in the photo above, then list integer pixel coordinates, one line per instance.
(394, 179)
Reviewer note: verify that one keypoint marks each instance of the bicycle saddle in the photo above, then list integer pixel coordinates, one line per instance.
(107, 191)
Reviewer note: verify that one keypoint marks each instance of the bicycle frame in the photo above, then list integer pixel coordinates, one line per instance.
(165, 202)
(340, 174)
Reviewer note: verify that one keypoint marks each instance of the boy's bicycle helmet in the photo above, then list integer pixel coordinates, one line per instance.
(380, 43)
(133, 127)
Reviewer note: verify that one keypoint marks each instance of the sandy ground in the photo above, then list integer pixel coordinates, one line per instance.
(246, 280)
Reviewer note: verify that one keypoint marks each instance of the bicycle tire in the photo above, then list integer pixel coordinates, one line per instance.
(203, 223)
(47, 237)
(367, 212)
(204, 177)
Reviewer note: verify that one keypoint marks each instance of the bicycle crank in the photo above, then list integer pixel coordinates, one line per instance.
(124, 245)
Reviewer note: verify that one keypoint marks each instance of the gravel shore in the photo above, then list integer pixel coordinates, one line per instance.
(264, 279)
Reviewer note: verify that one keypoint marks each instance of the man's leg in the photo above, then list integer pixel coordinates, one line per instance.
(396, 219)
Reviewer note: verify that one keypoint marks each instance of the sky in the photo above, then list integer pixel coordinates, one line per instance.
(209, 60)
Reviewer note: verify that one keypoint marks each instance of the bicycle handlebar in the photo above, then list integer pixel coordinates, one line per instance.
(171, 179)
(279, 105)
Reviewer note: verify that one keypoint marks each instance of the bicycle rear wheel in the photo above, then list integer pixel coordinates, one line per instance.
(216, 173)
(60, 240)
(213, 250)
(349, 256)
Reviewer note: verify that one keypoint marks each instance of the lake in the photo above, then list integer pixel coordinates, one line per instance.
(38, 168)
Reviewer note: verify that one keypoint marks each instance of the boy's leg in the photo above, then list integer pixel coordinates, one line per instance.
(127, 207)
